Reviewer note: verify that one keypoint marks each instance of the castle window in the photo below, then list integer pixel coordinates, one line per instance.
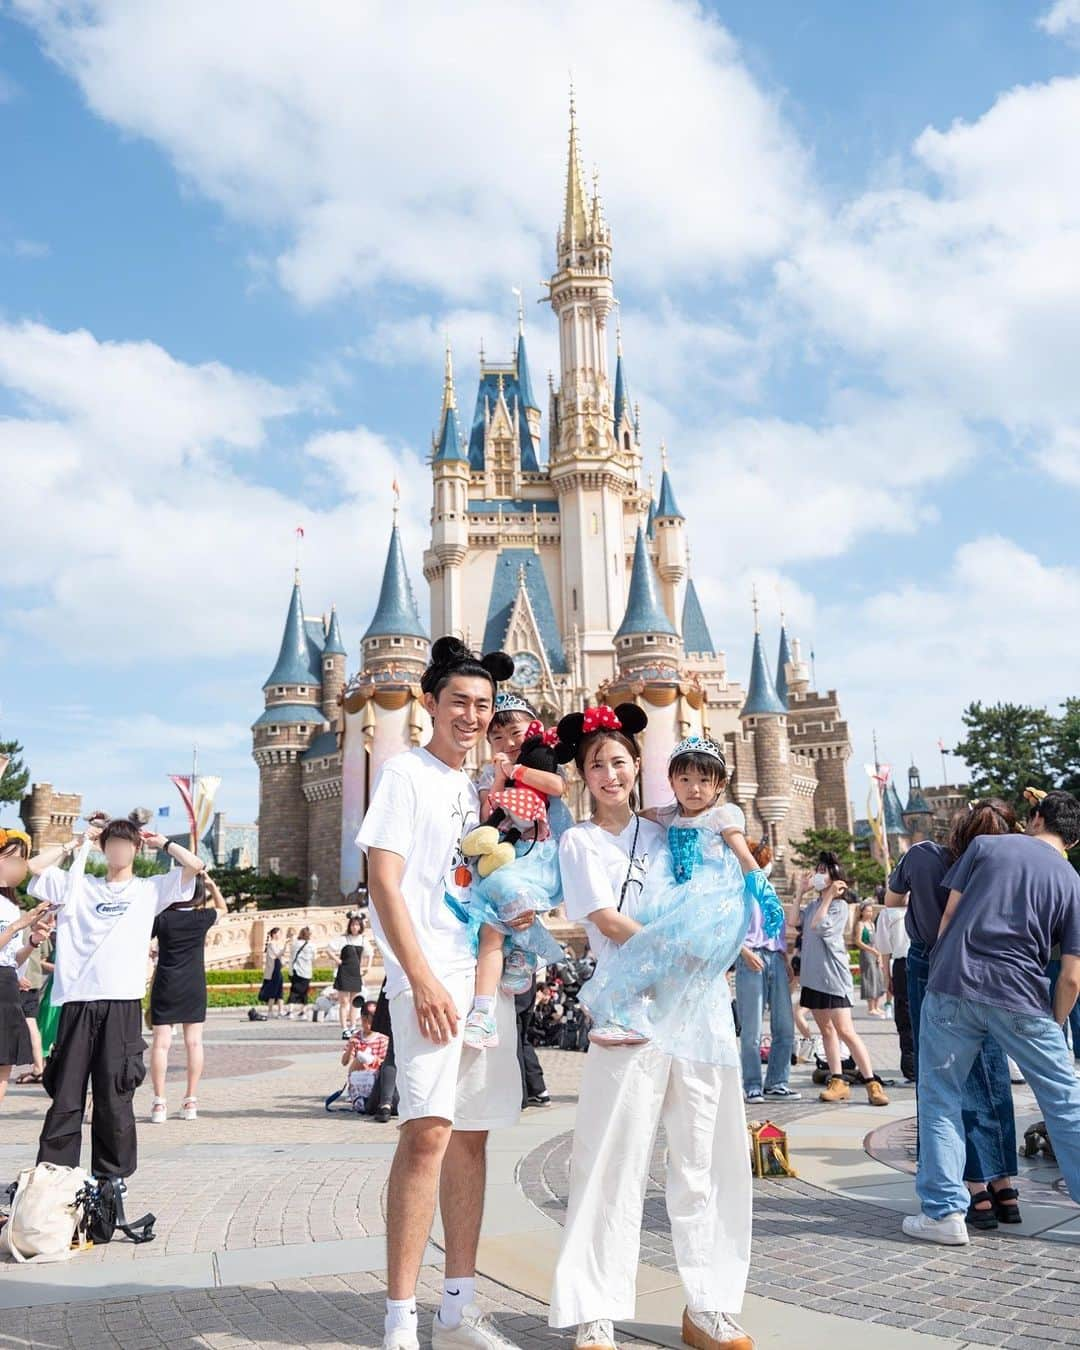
(830, 817)
(301, 730)
(301, 689)
(395, 642)
(626, 440)
(573, 595)
(272, 731)
(649, 637)
(281, 689)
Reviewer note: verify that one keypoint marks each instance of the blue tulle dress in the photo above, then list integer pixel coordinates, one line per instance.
(530, 883)
(669, 982)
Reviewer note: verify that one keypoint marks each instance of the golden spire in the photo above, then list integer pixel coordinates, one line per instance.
(449, 402)
(575, 219)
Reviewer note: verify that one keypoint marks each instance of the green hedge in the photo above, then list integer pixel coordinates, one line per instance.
(250, 976)
(232, 999)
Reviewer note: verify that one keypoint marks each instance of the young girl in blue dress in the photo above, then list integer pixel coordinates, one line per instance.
(695, 908)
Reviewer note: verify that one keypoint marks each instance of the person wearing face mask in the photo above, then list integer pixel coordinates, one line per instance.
(630, 1086)
(827, 987)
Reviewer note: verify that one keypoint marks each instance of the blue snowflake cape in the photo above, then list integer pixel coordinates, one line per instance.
(669, 981)
(533, 883)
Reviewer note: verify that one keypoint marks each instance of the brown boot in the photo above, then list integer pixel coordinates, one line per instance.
(836, 1090)
(875, 1093)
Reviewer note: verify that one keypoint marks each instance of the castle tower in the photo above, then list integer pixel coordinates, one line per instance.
(918, 815)
(333, 670)
(383, 708)
(449, 515)
(290, 721)
(895, 825)
(648, 655)
(764, 717)
(592, 474)
(625, 423)
(670, 528)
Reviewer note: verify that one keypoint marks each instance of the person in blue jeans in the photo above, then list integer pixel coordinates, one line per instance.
(763, 975)
(987, 1108)
(1012, 899)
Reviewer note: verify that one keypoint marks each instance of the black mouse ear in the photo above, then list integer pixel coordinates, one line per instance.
(633, 718)
(446, 650)
(563, 753)
(570, 729)
(498, 665)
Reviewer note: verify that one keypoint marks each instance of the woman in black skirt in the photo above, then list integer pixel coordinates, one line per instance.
(272, 989)
(349, 953)
(15, 946)
(178, 993)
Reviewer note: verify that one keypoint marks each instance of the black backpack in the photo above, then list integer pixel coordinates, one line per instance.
(103, 1214)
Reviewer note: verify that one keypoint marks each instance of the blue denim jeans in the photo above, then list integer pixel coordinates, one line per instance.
(986, 1105)
(753, 989)
(1053, 970)
(953, 1031)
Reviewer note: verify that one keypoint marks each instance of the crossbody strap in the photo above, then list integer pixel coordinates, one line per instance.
(630, 865)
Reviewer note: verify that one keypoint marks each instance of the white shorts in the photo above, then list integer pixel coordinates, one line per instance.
(472, 1089)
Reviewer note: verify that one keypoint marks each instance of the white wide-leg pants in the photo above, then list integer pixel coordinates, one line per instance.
(625, 1093)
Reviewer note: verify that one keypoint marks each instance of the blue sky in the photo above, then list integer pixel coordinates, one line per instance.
(230, 242)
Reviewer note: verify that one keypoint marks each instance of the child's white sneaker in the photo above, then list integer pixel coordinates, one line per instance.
(481, 1030)
(612, 1034)
(518, 971)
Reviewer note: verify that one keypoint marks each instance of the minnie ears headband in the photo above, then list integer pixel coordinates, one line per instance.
(627, 717)
(449, 654)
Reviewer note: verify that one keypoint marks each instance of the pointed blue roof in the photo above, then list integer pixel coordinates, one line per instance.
(668, 507)
(783, 659)
(300, 657)
(695, 631)
(488, 391)
(894, 812)
(524, 383)
(504, 589)
(650, 522)
(622, 396)
(396, 613)
(448, 445)
(334, 644)
(644, 612)
(290, 714)
(762, 700)
(917, 805)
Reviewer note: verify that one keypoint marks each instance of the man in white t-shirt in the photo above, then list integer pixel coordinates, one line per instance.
(102, 940)
(450, 1096)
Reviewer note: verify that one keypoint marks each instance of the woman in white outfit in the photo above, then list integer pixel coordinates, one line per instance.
(627, 1091)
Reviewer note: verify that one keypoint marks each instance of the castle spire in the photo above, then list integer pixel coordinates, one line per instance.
(622, 395)
(668, 507)
(695, 630)
(396, 613)
(293, 665)
(447, 444)
(575, 213)
(783, 660)
(644, 611)
(762, 700)
(335, 646)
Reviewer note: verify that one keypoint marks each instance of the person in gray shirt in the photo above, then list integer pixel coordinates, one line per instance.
(827, 986)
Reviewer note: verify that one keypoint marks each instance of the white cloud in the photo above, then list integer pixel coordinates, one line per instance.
(138, 538)
(386, 141)
(1062, 19)
(32, 249)
(999, 625)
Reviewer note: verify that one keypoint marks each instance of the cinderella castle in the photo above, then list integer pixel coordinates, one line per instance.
(569, 561)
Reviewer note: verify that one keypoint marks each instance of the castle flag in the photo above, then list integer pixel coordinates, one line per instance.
(205, 791)
(183, 786)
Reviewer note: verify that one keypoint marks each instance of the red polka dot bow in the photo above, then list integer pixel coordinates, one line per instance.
(535, 729)
(600, 719)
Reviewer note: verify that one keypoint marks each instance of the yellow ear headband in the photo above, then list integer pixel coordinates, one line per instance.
(1033, 795)
(9, 837)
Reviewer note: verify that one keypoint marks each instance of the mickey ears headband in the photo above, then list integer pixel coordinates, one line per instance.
(449, 655)
(627, 717)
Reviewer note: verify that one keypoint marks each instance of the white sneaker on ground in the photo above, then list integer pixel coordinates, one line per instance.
(474, 1329)
(612, 1034)
(949, 1232)
(481, 1030)
(707, 1330)
(159, 1111)
(401, 1338)
(598, 1335)
(189, 1109)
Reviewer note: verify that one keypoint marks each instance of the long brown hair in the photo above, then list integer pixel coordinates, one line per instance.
(989, 815)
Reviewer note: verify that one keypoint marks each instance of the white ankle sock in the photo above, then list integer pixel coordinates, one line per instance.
(484, 1002)
(400, 1314)
(457, 1295)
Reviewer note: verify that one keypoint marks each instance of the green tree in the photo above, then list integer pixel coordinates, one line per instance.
(1009, 747)
(240, 885)
(141, 867)
(16, 777)
(1063, 759)
(862, 869)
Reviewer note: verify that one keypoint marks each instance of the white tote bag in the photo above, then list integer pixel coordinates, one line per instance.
(45, 1214)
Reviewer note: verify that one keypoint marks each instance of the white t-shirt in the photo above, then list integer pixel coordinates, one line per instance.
(420, 810)
(103, 931)
(890, 933)
(594, 865)
(9, 912)
(302, 958)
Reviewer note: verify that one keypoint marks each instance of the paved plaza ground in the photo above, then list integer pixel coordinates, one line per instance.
(271, 1223)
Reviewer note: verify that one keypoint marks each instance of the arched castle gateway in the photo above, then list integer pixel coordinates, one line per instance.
(568, 562)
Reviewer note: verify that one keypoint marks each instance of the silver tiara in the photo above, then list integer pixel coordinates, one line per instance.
(698, 745)
(512, 703)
